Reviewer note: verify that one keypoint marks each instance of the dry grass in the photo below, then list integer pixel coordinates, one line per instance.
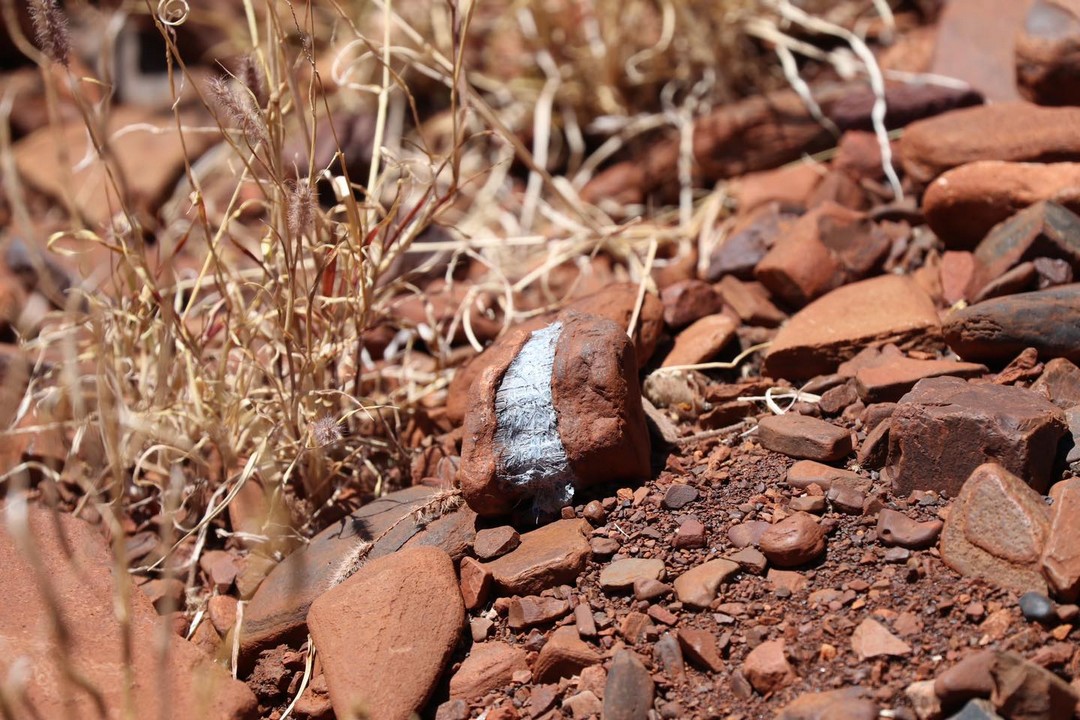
(182, 383)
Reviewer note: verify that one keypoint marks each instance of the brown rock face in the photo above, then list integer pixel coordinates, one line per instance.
(872, 639)
(804, 437)
(996, 530)
(548, 556)
(616, 303)
(1061, 555)
(833, 328)
(1013, 131)
(895, 528)
(387, 664)
(565, 654)
(964, 203)
(687, 301)
(278, 610)
(946, 427)
(76, 561)
(998, 330)
(795, 540)
(595, 405)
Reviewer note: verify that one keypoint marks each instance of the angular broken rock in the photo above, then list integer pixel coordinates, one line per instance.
(999, 329)
(622, 574)
(1046, 229)
(835, 327)
(388, 664)
(629, 690)
(767, 667)
(996, 530)
(872, 639)
(557, 409)
(800, 436)
(616, 303)
(702, 341)
(278, 610)
(946, 427)
(564, 655)
(896, 528)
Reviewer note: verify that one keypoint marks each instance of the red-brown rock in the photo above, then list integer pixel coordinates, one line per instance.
(1061, 553)
(750, 301)
(1000, 329)
(1060, 382)
(563, 655)
(687, 301)
(889, 381)
(946, 427)
(996, 530)
(629, 690)
(975, 40)
(702, 341)
(616, 303)
(700, 647)
(963, 204)
(489, 666)
(389, 663)
(872, 639)
(278, 609)
(1048, 54)
(697, 587)
(490, 543)
(796, 540)
(548, 556)
(896, 528)
(826, 248)
(801, 436)
(76, 560)
(1043, 230)
(531, 610)
(1013, 131)
(767, 667)
(592, 424)
(850, 703)
(833, 328)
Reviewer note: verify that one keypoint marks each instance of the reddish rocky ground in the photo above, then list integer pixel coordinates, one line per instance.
(822, 464)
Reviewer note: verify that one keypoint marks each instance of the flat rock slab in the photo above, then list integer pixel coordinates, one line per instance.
(278, 610)
(946, 427)
(76, 562)
(489, 666)
(702, 341)
(548, 556)
(999, 329)
(1046, 229)
(809, 472)
(801, 436)
(872, 639)
(850, 703)
(835, 327)
(386, 634)
(1015, 131)
(622, 574)
(629, 690)
(697, 586)
(888, 382)
(996, 530)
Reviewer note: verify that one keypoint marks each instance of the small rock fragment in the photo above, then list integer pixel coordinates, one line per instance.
(563, 655)
(996, 530)
(678, 496)
(767, 667)
(548, 556)
(1037, 607)
(872, 639)
(700, 647)
(805, 437)
(1061, 554)
(795, 540)
(895, 528)
(697, 586)
(851, 703)
(621, 575)
(489, 665)
(491, 543)
(628, 694)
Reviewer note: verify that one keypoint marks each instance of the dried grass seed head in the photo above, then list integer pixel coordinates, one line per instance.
(50, 29)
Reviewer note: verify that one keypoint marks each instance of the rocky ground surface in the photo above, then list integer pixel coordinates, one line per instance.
(871, 512)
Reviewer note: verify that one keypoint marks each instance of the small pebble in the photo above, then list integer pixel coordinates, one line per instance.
(1036, 606)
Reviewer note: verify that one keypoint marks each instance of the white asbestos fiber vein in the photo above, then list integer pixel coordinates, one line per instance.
(531, 453)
